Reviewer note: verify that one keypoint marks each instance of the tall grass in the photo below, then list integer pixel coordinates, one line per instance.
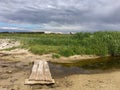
(98, 43)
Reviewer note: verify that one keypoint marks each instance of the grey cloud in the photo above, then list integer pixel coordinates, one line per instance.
(47, 16)
(93, 14)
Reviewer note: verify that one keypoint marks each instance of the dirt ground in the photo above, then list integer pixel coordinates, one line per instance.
(16, 65)
(14, 73)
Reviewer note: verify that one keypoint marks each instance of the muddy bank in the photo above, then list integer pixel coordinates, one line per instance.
(14, 73)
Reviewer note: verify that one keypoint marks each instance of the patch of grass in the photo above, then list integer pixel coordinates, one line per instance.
(98, 43)
(56, 55)
(43, 49)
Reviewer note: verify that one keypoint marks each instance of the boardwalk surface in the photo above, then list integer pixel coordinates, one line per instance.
(40, 74)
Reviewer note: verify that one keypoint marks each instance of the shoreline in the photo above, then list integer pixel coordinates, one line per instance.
(48, 57)
(24, 53)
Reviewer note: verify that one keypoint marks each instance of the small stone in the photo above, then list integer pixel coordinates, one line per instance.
(12, 89)
(101, 82)
(89, 81)
(9, 72)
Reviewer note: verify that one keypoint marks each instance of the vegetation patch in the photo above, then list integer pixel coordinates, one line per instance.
(56, 55)
(97, 43)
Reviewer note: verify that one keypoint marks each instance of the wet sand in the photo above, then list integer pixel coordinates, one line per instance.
(14, 73)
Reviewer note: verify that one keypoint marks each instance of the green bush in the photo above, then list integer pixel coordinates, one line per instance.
(56, 55)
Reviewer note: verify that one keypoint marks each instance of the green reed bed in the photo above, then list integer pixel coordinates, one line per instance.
(98, 43)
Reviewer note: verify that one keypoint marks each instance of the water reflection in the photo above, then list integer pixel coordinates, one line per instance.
(100, 65)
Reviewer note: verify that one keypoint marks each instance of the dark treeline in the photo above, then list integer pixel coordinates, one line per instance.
(22, 32)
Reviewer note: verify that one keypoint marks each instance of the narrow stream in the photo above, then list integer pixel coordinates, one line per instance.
(94, 66)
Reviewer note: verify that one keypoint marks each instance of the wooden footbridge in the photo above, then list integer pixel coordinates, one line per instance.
(40, 74)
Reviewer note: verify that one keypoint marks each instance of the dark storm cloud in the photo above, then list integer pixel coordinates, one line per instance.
(87, 14)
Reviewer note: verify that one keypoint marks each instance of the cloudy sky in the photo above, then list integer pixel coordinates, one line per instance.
(59, 15)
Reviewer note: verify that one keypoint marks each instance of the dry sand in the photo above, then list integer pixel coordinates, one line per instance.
(8, 43)
(15, 67)
(104, 81)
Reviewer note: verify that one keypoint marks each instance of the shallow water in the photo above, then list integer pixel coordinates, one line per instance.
(100, 65)
(60, 70)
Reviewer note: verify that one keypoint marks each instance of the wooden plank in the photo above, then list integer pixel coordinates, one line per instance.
(34, 71)
(40, 74)
(40, 71)
(47, 72)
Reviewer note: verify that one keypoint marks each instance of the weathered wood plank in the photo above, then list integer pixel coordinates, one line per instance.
(47, 72)
(34, 71)
(40, 71)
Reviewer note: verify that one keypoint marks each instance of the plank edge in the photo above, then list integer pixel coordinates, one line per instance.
(34, 82)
